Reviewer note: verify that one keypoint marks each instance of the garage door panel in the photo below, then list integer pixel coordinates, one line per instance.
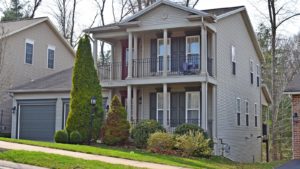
(37, 122)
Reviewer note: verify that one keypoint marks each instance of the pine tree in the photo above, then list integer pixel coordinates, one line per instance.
(85, 85)
(116, 127)
(14, 12)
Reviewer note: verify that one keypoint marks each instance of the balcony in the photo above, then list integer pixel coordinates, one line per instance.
(153, 67)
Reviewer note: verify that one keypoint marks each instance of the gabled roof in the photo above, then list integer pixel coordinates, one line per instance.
(293, 87)
(11, 28)
(57, 82)
(266, 93)
(221, 11)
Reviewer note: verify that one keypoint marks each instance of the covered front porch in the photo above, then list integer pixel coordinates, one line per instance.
(171, 104)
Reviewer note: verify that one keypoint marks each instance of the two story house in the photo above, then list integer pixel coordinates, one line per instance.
(178, 65)
(30, 49)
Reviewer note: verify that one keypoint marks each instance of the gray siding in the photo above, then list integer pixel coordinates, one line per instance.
(242, 139)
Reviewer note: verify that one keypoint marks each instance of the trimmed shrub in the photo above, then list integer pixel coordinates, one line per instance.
(75, 137)
(116, 127)
(186, 128)
(193, 144)
(160, 142)
(85, 85)
(61, 136)
(141, 132)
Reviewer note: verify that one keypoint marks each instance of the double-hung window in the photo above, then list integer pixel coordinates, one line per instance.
(238, 111)
(193, 52)
(251, 71)
(160, 108)
(29, 51)
(233, 59)
(193, 108)
(161, 52)
(255, 115)
(257, 75)
(247, 112)
(66, 109)
(50, 57)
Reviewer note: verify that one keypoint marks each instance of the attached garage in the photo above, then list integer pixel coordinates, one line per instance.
(37, 120)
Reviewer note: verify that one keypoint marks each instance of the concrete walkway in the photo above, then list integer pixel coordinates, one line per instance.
(12, 165)
(112, 160)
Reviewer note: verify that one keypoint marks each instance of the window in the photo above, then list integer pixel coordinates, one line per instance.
(160, 108)
(193, 51)
(233, 59)
(247, 112)
(50, 57)
(193, 108)
(251, 71)
(255, 115)
(161, 52)
(29, 51)
(66, 108)
(257, 75)
(238, 111)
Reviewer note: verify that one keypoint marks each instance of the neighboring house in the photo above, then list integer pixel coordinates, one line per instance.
(175, 65)
(293, 89)
(180, 65)
(32, 49)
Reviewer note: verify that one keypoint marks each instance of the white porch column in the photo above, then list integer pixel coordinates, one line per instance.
(165, 59)
(95, 52)
(134, 104)
(135, 53)
(203, 50)
(129, 103)
(165, 105)
(213, 53)
(204, 105)
(129, 55)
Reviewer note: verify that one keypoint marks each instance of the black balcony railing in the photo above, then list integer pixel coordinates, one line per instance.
(111, 71)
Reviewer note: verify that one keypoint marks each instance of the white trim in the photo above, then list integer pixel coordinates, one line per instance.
(230, 13)
(64, 113)
(188, 109)
(28, 41)
(169, 55)
(51, 47)
(186, 48)
(233, 53)
(162, 109)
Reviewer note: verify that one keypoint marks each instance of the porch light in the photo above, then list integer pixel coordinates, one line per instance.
(295, 117)
(93, 101)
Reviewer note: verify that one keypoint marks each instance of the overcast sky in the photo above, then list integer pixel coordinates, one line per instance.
(87, 10)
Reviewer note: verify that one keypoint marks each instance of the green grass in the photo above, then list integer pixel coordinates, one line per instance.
(213, 163)
(55, 161)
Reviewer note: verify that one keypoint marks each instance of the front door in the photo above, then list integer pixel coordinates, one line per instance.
(124, 59)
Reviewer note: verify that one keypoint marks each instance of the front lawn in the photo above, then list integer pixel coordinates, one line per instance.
(213, 163)
(55, 161)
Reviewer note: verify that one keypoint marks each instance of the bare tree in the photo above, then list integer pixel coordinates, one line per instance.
(124, 8)
(36, 4)
(64, 13)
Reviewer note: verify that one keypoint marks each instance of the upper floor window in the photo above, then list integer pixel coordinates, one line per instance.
(247, 112)
(161, 52)
(251, 71)
(238, 111)
(257, 75)
(255, 115)
(29, 51)
(50, 57)
(233, 59)
(193, 51)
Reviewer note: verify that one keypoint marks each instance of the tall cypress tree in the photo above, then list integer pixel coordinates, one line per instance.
(85, 85)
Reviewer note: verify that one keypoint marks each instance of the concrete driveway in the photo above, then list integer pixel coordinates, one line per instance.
(293, 164)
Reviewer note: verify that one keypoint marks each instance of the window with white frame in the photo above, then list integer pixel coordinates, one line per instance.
(161, 52)
(247, 112)
(255, 115)
(160, 108)
(193, 108)
(193, 51)
(50, 57)
(29, 47)
(233, 59)
(257, 75)
(66, 109)
(251, 71)
(238, 111)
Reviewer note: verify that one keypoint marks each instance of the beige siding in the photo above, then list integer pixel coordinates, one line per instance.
(245, 146)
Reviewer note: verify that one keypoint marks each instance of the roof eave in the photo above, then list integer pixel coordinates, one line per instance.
(39, 91)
